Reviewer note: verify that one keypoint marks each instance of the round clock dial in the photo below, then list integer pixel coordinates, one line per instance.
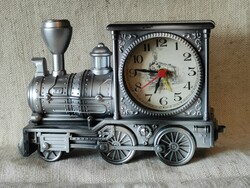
(161, 73)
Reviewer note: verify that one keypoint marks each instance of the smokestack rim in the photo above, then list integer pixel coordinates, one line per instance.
(56, 23)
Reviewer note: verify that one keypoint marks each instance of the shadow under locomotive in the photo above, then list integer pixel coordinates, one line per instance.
(81, 111)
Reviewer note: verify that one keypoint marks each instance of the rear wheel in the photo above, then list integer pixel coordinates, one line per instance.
(122, 137)
(177, 146)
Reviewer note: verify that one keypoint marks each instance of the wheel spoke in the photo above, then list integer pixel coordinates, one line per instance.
(118, 154)
(123, 143)
(182, 156)
(124, 136)
(114, 154)
(164, 141)
(180, 139)
(171, 156)
(118, 136)
(176, 137)
(172, 137)
(108, 154)
(167, 153)
(115, 138)
(47, 153)
(184, 150)
(176, 158)
(183, 144)
(123, 152)
(167, 138)
(54, 153)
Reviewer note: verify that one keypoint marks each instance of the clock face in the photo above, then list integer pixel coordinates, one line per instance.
(161, 73)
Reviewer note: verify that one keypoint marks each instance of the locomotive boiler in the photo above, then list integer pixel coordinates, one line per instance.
(97, 109)
(60, 95)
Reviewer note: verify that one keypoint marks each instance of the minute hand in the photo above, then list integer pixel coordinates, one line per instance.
(146, 70)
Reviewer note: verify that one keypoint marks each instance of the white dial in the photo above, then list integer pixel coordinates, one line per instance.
(161, 72)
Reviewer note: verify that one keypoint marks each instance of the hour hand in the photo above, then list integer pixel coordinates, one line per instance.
(157, 85)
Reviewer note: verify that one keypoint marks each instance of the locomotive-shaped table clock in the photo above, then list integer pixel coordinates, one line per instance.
(152, 95)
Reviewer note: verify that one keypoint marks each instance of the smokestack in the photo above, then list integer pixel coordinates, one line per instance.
(57, 35)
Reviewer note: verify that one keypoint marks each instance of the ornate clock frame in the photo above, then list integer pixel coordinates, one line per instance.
(194, 32)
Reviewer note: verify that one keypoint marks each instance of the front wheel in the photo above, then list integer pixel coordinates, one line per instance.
(50, 156)
(178, 146)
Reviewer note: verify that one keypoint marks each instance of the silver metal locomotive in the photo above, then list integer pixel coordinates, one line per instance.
(94, 109)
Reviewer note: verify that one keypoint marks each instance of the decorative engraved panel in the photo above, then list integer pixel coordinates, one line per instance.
(196, 111)
(125, 110)
(123, 39)
(197, 39)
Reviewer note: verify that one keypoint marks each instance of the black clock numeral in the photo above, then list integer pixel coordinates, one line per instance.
(177, 97)
(146, 47)
(163, 101)
(176, 46)
(132, 72)
(138, 87)
(192, 71)
(188, 86)
(161, 42)
(138, 59)
(187, 56)
(148, 95)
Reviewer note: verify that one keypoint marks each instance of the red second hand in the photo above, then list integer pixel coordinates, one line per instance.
(150, 82)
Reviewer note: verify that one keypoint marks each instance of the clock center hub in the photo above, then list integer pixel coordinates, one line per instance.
(162, 73)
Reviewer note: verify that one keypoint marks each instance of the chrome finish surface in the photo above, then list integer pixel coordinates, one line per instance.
(57, 35)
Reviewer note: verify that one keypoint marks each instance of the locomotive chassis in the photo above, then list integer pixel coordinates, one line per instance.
(65, 136)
